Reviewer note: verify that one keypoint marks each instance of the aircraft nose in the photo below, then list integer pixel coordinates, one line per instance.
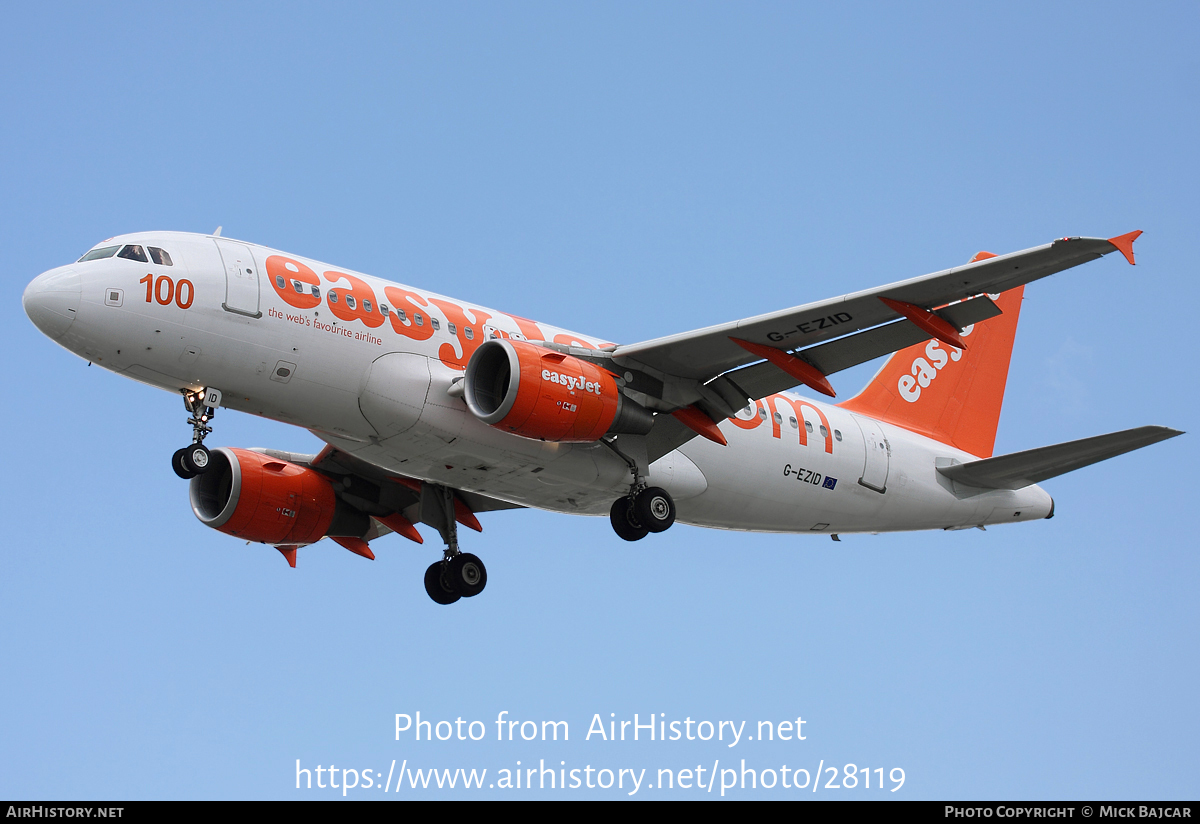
(52, 299)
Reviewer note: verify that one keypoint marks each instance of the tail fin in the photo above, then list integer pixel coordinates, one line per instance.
(948, 394)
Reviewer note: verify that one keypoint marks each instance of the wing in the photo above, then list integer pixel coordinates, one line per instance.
(383, 494)
(706, 353)
(718, 370)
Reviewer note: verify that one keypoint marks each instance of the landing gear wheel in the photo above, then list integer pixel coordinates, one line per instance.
(467, 574)
(436, 584)
(621, 516)
(195, 459)
(177, 465)
(654, 509)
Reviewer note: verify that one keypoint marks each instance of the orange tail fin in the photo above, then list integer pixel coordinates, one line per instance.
(948, 394)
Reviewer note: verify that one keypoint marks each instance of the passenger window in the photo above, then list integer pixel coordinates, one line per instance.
(97, 254)
(366, 306)
(132, 252)
(762, 413)
(794, 424)
(333, 296)
(160, 256)
(837, 435)
(316, 290)
(383, 309)
(350, 301)
(403, 317)
(417, 317)
(453, 329)
(470, 332)
(778, 418)
(298, 286)
(808, 427)
(280, 282)
(824, 432)
(435, 323)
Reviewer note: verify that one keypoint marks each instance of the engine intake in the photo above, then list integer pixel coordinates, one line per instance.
(538, 393)
(260, 498)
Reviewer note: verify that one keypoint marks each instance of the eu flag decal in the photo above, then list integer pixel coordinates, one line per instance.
(829, 483)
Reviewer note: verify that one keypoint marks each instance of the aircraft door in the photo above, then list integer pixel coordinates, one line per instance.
(241, 278)
(878, 457)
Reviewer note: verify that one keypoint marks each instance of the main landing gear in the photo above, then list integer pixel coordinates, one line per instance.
(201, 406)
(644, 510)
(458, 574)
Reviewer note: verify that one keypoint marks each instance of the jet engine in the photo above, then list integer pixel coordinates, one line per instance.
(260, 498)
(539, 393)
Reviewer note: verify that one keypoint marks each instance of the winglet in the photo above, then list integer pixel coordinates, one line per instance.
(289, 552)
(356, 545)
(981, 256)
(700, 423)
(1124, 244)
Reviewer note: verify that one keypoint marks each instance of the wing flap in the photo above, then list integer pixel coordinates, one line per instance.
(1021, 469)
(762, 379)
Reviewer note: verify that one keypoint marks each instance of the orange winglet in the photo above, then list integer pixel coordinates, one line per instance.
(801, 370)
(927, 322)
(401, 525)
(289, 552)
(356, 545)
(1124, 244)
(464, 515)
(695, 420)
(981, 256)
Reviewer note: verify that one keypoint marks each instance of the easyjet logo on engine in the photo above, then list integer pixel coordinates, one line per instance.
(571, 382)
(924, 372)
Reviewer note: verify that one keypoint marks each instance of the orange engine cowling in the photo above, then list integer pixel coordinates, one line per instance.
(260, 498)
(539, 393)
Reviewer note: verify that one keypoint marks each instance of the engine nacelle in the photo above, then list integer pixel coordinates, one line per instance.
(539, 393)
(260, 498)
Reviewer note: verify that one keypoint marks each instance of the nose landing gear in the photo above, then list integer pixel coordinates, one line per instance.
(201, 406)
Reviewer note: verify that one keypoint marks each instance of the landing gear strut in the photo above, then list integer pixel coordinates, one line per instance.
(459, 574)
(642, 511)
(201, 406)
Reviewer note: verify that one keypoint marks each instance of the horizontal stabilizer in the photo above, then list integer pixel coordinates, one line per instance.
(1021, 469)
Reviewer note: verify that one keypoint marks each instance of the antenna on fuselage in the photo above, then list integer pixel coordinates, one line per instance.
(217, 233)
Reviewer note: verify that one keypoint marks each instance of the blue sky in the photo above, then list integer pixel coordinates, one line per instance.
(627, 171)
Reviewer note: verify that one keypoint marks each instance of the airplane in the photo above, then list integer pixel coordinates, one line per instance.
(435, 411)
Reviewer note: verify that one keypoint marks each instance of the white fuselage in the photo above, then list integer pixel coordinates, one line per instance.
(377, 386)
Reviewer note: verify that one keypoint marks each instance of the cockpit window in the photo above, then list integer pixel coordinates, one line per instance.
(160, 256)
(133, 252)
(97, 254)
